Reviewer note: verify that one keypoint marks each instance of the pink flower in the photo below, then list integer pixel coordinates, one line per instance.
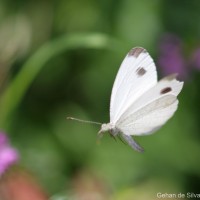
(8, 155)
(19, 185)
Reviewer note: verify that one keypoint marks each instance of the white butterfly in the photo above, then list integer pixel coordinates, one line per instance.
(140, 104)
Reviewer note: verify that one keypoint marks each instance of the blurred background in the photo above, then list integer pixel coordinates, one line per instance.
(60, 58)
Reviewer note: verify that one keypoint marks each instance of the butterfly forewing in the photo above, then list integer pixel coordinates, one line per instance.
(137, 74)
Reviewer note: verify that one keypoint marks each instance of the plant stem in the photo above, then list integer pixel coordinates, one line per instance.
(17, 88)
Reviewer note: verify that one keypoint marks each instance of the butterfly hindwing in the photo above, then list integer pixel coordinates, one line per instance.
(152, 109)
(151, 117)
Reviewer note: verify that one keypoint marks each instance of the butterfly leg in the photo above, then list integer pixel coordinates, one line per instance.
(132, 142)
(113, 136)
(121, 139)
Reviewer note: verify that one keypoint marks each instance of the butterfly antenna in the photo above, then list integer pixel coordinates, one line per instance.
(83, 121)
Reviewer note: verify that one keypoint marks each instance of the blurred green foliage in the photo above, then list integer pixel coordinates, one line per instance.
(60, 58)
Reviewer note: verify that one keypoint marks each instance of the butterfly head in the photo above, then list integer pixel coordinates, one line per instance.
(108, 127)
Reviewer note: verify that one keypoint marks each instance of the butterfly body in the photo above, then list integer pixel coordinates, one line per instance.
(140, 104)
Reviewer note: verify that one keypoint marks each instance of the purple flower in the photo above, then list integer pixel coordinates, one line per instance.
(8, 155)
(171, 59)
(195, 59)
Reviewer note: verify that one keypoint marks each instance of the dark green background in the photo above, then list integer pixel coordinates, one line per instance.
(78, 47)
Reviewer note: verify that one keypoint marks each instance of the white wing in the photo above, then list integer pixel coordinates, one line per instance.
(152, 109)
(136, 75)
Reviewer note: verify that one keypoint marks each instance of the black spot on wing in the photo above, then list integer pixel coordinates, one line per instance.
(165, 90)
(140, 71)
(136, 51)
